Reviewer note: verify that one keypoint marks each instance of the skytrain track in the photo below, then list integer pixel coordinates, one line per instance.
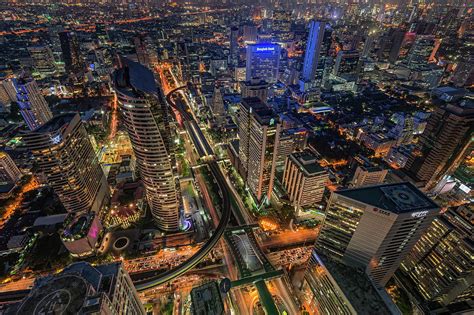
(204, 150)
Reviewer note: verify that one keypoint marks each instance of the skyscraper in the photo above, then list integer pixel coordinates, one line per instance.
(73, 62)
(443, 143)
(304, 179)
(263, 61)
(217, 106)
(145, 116)
(259, 132)
(43, 60)
(9, 172)
(317, 59)
(375, 227)
(234, 45)
(84, 289)
(441, 265)
(67, 162)
(33, 106)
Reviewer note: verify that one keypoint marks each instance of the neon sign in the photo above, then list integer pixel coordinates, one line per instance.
(265, 49)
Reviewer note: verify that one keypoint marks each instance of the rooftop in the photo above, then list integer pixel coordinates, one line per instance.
(56, 123)
(260, 110)
(307, 162)
(133, 77)
(397, 198)
(357, 288)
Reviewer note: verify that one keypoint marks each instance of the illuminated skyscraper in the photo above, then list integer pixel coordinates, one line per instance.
(73, 62)
(441, 265)
(304, 179)
(317, 59)
(145, 116)
(9, 172)
(375, 227)
(67, 162)
(443, 144)
(259, 132)
(33, 106)
(263, 62)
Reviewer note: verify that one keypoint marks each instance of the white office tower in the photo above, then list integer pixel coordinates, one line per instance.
(145, 116)
(375, 227)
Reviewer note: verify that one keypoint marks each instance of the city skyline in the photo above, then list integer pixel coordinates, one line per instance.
(236, 157)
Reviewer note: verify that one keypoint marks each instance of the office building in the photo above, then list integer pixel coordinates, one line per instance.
(84, 289)
(259, 133)
(442, 145)
(317, 60)
(71, 53)
(291, 140)
(250, 33)
(304, 179)
(263, 62)
(33, 106)
(9, 172)
(255, 88)
(375, 227)
(367, 174)
(144, 113)
(43, 60)
(440, 265)
(67, 162)
(330, 287)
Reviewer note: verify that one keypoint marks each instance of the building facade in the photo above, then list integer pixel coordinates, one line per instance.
(33, 106)
(67, 162)
(442, 145)
(145, 116)
(441, 265)
(9, 172)
(375, 227)
(304, 179)
(263, 62)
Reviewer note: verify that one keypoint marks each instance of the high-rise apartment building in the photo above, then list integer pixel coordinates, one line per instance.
(375, 227)
(317, 59)
(440, 264)
(255, 88)
(43, 60)
(259, 133)
(304, 179)
(84, 289)
(144, 113)
(33, 106)
(263, 62)
(443, 144)
(9, 172)
(71, 53)
(291, 140)
(67, 162)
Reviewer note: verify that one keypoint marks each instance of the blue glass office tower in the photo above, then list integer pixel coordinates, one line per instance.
(263, 61)
(317, 59)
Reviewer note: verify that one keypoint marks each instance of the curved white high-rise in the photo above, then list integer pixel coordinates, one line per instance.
(145, 116)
